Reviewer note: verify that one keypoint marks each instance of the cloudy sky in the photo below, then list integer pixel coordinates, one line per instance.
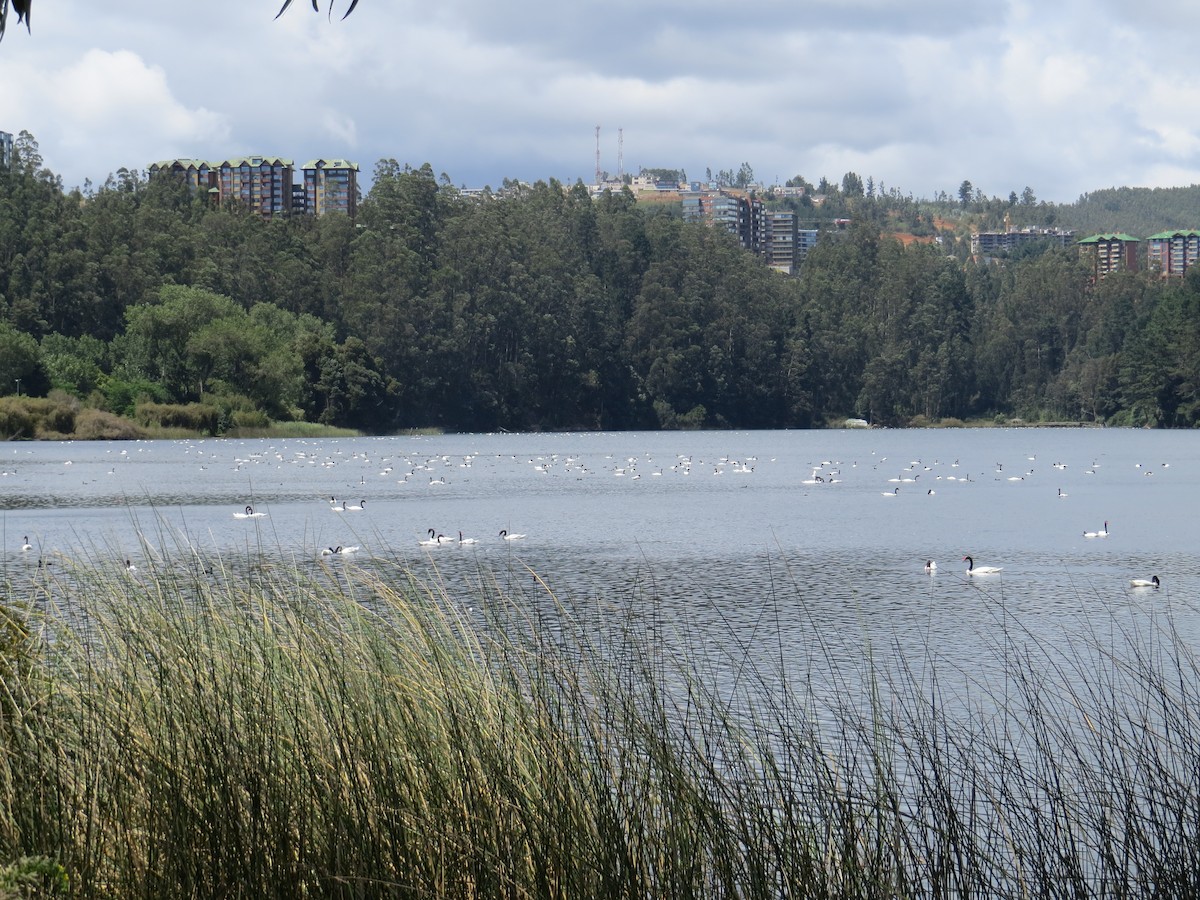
(1065, 96)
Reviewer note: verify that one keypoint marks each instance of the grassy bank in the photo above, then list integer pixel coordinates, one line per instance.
(362, 733)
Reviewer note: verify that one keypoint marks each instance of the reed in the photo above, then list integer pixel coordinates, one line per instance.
(361, 732)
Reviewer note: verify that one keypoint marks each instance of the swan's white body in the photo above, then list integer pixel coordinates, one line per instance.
(973, 569)
(435, 539)
(1151, 582)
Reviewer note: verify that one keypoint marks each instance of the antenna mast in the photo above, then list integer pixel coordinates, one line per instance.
(597, 155)
(621, 154)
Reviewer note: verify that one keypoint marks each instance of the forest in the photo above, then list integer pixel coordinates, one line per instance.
(536, 307)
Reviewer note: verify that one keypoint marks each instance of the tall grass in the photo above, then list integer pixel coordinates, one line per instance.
(297, 733)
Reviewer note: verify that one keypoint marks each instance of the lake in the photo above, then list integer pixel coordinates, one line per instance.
(780, 544)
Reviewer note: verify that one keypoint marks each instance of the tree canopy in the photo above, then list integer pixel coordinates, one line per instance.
(541, 307)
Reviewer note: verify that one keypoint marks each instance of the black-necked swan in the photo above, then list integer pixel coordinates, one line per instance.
(510, 537)
(249, 514)
(972, 569)
(465, 540)
(930, 567)
(435, 539)
(1151, 582)
(1097, 534)
(25, 545)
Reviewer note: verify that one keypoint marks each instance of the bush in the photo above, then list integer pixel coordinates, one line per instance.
(16, 419)
(193, 416)
(250, 418)
(38, 417)
(98, 425)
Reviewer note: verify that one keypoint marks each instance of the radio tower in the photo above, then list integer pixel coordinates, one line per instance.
(621, 155)
(597, 155)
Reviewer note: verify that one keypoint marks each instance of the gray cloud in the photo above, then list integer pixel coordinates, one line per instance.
(1064, 97)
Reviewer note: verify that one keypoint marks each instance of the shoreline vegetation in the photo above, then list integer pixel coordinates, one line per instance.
(221, 727)
(61, 417)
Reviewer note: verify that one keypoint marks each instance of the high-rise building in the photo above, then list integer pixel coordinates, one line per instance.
(1172, 253)
(263, 184)
(266, 185)
(6, 151)
(779, 248)
(739, 214)
(1108, 253)
(330, 185)
(989, 243)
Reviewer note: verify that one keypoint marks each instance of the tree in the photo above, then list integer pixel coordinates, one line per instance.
(965, 192)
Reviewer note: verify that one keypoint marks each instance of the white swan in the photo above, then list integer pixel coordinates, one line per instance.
(249, 514)
(1097, 534)
(510, 537)
(981, 570)
(930, 567)
(1151, 582)
(435, 539)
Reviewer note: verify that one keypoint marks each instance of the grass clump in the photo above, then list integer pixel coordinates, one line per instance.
(282, 732)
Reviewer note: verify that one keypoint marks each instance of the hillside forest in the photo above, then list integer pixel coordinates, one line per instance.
(537, 307)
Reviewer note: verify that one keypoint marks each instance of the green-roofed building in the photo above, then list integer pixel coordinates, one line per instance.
(1172, 253)
(1110, 253)
(330, 186)
(263, 184)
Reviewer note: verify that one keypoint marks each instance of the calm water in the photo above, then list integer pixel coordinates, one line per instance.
(722, 538)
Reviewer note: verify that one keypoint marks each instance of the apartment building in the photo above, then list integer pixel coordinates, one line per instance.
(266, 185)
(1172, 253)
(1108, 253)
(330, 185)
(6, 151)
(992, 243)
(779, 247)
(738, 213)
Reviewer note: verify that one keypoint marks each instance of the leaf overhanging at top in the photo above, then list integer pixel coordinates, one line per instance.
(316, 7)
(22, 9)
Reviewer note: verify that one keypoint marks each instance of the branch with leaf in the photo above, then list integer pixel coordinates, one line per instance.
(317, 8)
(21, 8)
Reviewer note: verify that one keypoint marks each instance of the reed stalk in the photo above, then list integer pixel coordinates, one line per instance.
(288, 732)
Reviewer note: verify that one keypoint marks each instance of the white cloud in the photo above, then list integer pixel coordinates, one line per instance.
(1064, 97)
